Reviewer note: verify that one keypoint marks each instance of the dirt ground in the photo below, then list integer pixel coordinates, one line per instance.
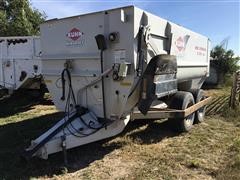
(145, 150)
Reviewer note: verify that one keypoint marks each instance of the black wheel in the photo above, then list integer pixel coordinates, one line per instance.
(198, 95)
(182, 100)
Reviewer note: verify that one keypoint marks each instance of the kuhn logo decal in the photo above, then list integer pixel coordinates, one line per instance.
(181, 42)
(74, 34)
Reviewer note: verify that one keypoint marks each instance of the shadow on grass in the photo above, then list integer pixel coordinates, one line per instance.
(14, 137)
(154, 132)
(20, 102)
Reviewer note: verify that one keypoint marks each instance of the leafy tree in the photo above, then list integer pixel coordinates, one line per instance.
(18, 18)
(3, 23)
(226, 62)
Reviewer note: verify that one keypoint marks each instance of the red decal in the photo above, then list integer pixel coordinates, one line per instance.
(200, 48)
(180, 43)
(74, 34)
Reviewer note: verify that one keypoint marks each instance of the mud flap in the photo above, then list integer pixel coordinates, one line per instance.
(159, 80)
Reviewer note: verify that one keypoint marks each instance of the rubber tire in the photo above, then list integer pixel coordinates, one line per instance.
(198, 95)
(180, 101)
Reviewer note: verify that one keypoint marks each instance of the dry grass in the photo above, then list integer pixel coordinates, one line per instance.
(200, 154)
(145, 150)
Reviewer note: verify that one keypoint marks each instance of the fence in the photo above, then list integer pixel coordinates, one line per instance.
(235, 92)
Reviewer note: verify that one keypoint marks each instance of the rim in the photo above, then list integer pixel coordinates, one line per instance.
(189, 119)
(201, 111)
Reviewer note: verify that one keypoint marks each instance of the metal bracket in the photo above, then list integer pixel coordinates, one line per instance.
(149, 41)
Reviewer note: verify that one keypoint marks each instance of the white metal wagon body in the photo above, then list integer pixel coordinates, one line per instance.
(57, 47)
(20, 62)
(104, 62)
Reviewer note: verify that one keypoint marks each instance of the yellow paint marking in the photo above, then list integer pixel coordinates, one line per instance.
(125, 83)
(47, 81)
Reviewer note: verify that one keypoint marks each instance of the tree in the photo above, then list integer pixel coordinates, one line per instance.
(18, 18)
(224, 62)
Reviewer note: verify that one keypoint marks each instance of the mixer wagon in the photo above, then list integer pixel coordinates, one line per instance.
(20, 63)
(106, 68)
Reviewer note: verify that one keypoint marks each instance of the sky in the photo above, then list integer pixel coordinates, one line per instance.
(216, 19)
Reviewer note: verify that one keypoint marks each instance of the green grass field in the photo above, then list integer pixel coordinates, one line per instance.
(145, 150)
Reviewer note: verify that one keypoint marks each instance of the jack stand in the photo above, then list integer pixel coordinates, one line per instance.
(63, 138)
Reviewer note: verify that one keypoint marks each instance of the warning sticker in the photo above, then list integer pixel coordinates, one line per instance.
(119, 56)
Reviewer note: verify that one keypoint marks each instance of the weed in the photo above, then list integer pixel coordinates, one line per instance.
(143, 151)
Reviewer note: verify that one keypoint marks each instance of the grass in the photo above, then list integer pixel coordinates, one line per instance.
(232, 168)
(145, 150)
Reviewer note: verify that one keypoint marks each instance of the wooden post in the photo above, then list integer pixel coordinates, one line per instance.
(235, 92)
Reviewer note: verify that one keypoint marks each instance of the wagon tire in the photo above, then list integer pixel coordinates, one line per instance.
(181, 101)
(198, 95)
